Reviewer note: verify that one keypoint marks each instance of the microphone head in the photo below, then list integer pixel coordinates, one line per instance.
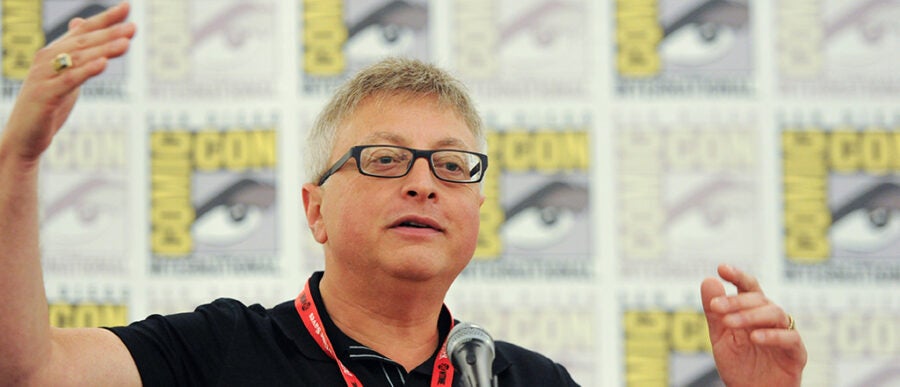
(471, 350)
(466, 333)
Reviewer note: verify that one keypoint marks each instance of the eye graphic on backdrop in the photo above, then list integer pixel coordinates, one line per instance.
(233, 214)
(869, 221)
(543, 25)
(546, 216)
(709, 211)
(704, 34)
(237, 24)
(390, 29)
(63, 25)
(85, 213)
(866, 34)
(547, 39)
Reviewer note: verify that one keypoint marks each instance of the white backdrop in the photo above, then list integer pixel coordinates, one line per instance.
(634, 145)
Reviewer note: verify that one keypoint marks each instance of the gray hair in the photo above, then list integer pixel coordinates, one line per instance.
(391, 76)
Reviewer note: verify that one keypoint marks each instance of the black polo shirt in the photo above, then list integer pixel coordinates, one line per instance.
(226, 343)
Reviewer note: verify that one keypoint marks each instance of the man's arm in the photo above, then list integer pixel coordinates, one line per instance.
(31, 352)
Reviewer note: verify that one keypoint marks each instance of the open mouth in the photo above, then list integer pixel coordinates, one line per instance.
(414, 225)
(417, 223)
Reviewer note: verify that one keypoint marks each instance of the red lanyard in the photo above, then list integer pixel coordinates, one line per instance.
(442, 375)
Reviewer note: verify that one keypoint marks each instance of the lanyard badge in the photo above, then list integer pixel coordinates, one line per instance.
(441, 375)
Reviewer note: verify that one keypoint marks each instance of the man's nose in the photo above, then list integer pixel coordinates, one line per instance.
(420, 181)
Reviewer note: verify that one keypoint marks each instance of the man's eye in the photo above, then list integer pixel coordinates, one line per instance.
(450, 162)
(384, 156)
(451, 169)
(383, 160)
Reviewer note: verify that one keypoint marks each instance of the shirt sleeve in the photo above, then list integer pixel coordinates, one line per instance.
(186, 348)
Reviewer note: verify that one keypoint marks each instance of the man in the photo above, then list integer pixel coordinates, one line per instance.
(397, 159)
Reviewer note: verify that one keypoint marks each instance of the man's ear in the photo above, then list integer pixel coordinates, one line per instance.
(312, 205)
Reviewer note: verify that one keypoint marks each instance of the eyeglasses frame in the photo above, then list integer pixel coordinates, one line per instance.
(356, 151)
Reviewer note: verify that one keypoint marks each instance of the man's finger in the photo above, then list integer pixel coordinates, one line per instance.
(768, 316)
(729, 304)
(788, 340)
(711, 289)
(75, 22)
(115, 14)
(85, 48)
(743, 281)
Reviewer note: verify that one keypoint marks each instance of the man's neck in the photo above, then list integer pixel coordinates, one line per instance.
(395, 318)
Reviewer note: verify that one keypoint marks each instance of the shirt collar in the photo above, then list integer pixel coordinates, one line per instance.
(347, 349)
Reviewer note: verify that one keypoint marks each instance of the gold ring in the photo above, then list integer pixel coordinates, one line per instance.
(61, 62)
(790, 322)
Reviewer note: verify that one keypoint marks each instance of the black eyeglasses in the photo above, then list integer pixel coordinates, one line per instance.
(455, 166)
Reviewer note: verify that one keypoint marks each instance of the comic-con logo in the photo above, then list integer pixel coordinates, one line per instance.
(854, 343)
(831, 40)
(841, 194)
(29, 25)
(207, 189)
(661, 348)
(87, 314)
(211, 48)
(521, 48)
(532, 203)
(658, 37)
(341, 36)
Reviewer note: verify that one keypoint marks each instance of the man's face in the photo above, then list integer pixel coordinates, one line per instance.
(415, 227)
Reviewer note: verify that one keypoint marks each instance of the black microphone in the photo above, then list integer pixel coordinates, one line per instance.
(471, 349)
